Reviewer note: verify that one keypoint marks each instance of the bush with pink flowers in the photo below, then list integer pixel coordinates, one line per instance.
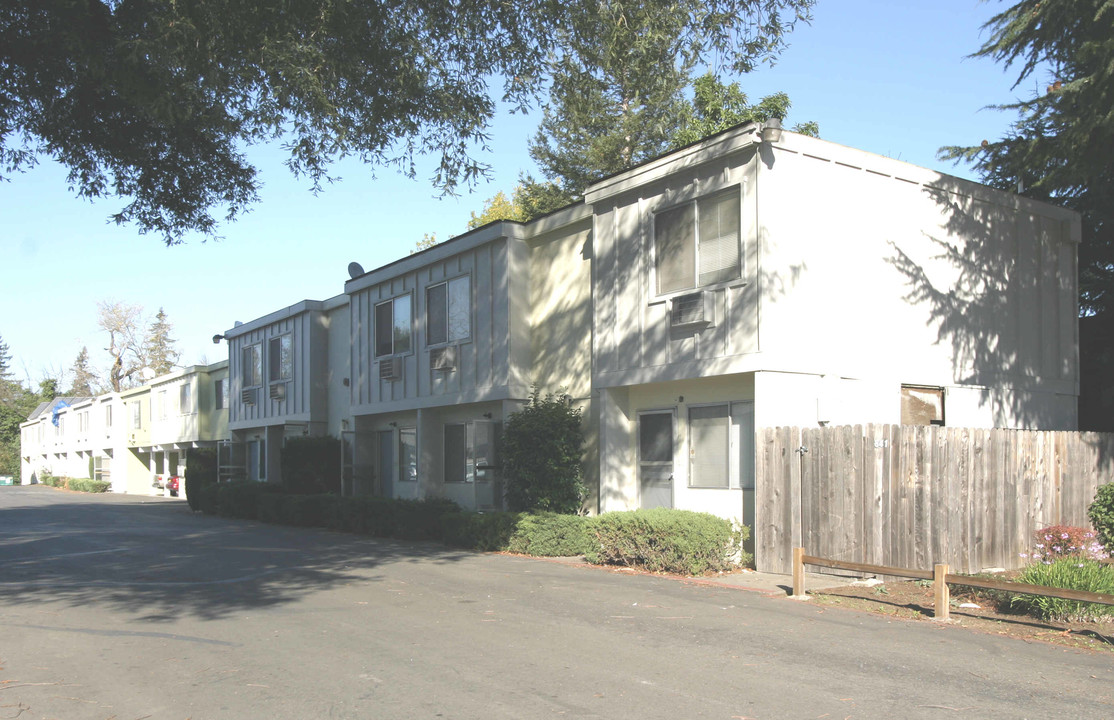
(1063, 541)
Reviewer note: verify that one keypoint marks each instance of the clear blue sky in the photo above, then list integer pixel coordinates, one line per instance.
(884, 76)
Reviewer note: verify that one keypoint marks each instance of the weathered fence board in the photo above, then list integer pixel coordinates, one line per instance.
(913, 496)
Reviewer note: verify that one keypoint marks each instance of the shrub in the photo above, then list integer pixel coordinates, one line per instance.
(421, 519)
(551, 535)
(207, 499)
(241, 499)
(201, 471)
(89, 486)
(665, 540)
(310, 510)
(367, 515)
(1058, 541)
(479, 531)
(311, 465)
(269, 508)
(1072, 574)
(542, 453)
(1101, 514)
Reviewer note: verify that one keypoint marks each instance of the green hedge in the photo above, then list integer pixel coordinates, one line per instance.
(676, 541)
(664, 540)
(75, 484)
(201, 472)
(87, 485)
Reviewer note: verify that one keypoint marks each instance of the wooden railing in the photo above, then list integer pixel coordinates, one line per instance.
(941, 580)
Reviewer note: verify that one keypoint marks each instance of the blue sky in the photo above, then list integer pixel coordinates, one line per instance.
(883, 76)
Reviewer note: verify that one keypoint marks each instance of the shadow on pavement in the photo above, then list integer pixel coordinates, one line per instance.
(158, 559)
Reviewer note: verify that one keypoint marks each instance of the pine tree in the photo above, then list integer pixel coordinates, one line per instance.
(84, 379)
(159, 351)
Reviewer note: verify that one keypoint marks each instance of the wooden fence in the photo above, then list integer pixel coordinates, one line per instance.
(914, 496)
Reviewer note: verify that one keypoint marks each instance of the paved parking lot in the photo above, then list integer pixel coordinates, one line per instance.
(126, 607)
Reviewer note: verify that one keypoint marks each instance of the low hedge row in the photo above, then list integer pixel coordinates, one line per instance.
(661, 540)
(75, 484)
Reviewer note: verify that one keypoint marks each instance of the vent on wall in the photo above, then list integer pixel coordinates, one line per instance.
(692, 309)
(390, 368)
(443, 358)
(278, 391)
(247, 397)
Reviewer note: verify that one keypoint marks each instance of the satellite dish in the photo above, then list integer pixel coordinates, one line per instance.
(355, 270)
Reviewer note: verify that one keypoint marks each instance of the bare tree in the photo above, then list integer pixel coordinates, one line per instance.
(121, 321)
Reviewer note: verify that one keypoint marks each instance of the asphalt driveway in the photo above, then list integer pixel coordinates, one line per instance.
(125, 607)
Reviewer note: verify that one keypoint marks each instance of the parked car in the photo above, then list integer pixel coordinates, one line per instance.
(172, 484)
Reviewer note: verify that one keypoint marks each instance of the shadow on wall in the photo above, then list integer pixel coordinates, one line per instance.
(165, 562)
(1005, 290)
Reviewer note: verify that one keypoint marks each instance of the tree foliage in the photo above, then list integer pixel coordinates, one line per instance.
(1061, 147)
(542, 455)
(617, 97)
(121, 322)
(155, 102)
(160, 352)
(717, 106)
(84, 379)
(16, 403)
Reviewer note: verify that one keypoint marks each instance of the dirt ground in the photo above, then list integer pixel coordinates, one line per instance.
(913, 600)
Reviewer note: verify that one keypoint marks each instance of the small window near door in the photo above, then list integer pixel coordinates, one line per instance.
(709, 446)
(922, 405)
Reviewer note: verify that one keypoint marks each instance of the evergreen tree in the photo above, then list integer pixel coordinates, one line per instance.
(84, 379)
(159, 351)
(1061, 148)
(5, 361)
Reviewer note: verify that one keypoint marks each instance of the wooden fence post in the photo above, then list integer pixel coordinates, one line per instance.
(943, 596)
(798, 572)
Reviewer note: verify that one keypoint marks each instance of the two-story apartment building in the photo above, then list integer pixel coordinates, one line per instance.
(288, 376)
(132, 437)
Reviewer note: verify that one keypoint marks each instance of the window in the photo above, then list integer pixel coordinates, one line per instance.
(137, 415)
(449, 311)
(392, 326)
(108, 416)
(709, 446)
(251, 366)
(408, 454)
(185, 399)
(697, 244)
(280, 359)
(160, 404)
(922, 405)
(220, 389)
(458, 469)
(83, 421)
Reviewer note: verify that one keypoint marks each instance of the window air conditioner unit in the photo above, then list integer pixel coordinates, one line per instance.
(390, 368)
(693, 309)
(443, 358)
(278, 391)
(247, 397)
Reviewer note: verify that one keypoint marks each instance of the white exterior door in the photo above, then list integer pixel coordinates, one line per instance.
(655, 459)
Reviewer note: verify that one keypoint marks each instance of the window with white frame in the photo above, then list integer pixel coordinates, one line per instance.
(185, 399)
(393, 326)
(458, 465)
(408, 454)
(108, 416)
(709, 446)
(280, 359)
(160, 405)
(449, 311)
(137, 415)
(251, 366)
(697, 244)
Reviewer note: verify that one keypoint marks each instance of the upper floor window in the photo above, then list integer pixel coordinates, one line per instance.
(160, 404)
(392, 326)
(108, 416)
(280, 359)
(449, 311)
(251, 366)
(697, 244)
(221, 389)
(185, 399)
(137, 415)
